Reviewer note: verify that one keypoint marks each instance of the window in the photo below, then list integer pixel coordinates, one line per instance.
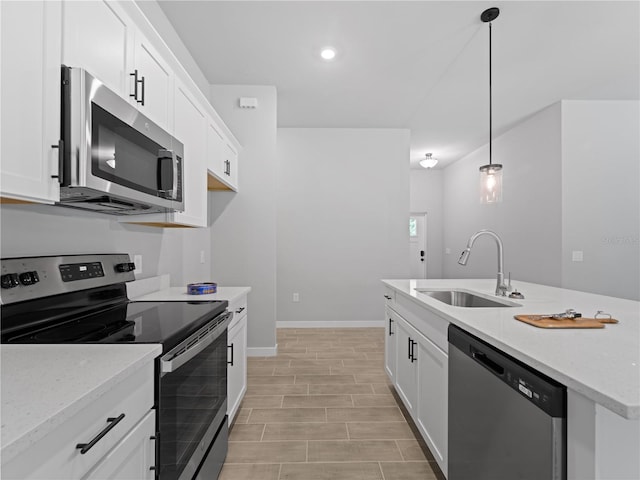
(413, 227)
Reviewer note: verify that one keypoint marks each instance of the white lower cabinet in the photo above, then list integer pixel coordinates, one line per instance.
(390, 344)
(432, 410)
(421, 379)
(99, 440)
(406, 364)
(133, 458)
(237, 357)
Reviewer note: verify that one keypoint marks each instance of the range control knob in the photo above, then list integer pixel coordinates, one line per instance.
(125, 267)
(29, 278)
(9, 280)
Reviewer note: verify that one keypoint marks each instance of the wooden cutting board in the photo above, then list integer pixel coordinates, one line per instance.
(581, 322)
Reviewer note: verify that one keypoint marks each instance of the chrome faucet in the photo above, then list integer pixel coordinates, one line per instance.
(501, 288)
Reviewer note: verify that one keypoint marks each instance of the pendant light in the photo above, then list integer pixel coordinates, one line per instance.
(491, 174)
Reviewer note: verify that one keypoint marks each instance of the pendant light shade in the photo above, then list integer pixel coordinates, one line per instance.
(491, 174)
(491, 183)
(429, 161)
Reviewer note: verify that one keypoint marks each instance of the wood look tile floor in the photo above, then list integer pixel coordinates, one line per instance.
(323, 409)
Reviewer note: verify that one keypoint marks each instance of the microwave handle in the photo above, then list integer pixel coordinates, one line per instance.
(174, 192)
(163, 156)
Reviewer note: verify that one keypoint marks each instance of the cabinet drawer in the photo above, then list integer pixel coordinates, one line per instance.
(389, 296)
(239, 309)
(56, 456)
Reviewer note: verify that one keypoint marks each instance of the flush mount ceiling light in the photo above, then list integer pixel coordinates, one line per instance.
(328, 53)
(428, 162)
(491, 174)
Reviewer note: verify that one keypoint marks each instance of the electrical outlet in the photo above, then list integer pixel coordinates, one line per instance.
(137, 260)
(201, 256)
(296, 297)
(576, 256)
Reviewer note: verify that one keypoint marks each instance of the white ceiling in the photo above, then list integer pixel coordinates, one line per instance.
(421, 65)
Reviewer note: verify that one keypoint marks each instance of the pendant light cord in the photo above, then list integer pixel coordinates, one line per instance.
(490, 103)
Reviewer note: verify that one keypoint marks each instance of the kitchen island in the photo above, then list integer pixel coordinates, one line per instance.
(599, 367)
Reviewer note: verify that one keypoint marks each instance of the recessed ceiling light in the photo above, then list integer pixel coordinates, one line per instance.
(328, 53)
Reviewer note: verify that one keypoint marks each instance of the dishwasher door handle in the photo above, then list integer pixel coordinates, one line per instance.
(485, 361)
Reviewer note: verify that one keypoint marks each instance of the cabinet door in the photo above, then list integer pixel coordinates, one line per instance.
(231, 165)
(215, 150)
(133, 458)
(30, 59)
(222, 160)
(406, 364)
(155, 86)
(237, 368)
(390, 342)
(432, 409)
(97, 36)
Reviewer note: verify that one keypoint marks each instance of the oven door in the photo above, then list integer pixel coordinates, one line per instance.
(192, 402)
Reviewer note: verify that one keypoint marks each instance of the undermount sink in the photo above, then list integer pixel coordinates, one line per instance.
(461, 298)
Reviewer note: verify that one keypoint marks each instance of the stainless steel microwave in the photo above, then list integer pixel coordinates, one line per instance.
(114, 159)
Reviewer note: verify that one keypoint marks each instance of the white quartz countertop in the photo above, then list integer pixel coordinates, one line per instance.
(602, 364)
(44, 385)
(180, 294)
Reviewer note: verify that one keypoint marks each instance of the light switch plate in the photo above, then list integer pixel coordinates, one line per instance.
(576, 256)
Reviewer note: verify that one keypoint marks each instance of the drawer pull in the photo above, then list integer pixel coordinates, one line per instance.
(240, 310)
(113, 421)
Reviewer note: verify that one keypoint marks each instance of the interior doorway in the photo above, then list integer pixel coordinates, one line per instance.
(418, 244)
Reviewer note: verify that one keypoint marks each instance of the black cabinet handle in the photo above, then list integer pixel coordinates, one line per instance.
(113, 421)
(240, 310)
(142, 91)
(409, 348)
(135, 85)
(387, 297)
(413, 344)
(231, 362)
(390, 322)
(60, 147)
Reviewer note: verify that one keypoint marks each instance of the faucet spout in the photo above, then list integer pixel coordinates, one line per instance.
(501, 288)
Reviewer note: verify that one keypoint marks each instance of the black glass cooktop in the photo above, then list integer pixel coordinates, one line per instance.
(72, 320)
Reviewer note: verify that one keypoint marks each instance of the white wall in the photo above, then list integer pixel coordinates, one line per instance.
(47, 230)
(244, 224)
(343, 204)
(426, 196)
(529, 219)
(601, 196)
(571, 183)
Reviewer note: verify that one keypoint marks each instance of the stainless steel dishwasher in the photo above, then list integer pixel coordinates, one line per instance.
(507, 421)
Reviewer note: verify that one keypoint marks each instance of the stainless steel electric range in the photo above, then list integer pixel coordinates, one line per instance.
(83, 299)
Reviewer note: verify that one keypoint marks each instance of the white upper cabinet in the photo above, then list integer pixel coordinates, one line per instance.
(222, 159)
(190, 129)
(154, 90)
(30, 97)
(98, 36)
(101, 38)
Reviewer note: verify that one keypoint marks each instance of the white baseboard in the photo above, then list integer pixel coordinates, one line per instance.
(262, 351)
(334, 324)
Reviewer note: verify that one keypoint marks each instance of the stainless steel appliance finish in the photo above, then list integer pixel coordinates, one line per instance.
(460, 298)
(114, 159)
(83, 299)
(506, 420)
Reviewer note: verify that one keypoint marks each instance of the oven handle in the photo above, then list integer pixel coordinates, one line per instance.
(195, 344)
